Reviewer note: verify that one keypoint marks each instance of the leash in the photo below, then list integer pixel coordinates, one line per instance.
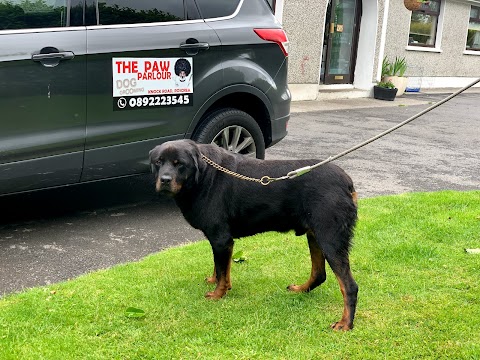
(266, 180)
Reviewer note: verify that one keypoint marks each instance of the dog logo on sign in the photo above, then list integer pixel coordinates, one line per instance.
(183, 73)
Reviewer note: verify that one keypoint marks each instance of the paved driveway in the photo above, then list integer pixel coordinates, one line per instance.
(440, 150)
(55, 235)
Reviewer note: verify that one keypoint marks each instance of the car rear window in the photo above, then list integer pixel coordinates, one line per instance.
(113, 12)
(217, 8)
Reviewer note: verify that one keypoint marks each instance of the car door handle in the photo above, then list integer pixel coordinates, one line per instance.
(195, 46)
(64, 55)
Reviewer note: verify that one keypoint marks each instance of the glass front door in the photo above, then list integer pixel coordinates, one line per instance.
(340, 42)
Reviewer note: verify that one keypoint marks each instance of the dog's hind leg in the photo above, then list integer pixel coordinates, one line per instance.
(339, 261)
(318, 275)
(349, 290)
(212, 279)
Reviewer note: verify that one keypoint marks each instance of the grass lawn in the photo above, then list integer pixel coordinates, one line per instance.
(419, 297)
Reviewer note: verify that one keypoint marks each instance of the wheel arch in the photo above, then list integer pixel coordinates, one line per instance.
(242, 97)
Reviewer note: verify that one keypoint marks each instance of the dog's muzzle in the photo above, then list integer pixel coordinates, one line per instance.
(166, 184)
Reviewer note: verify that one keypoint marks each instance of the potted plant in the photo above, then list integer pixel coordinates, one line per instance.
(413, 5)
(394, 72)
(385, 90)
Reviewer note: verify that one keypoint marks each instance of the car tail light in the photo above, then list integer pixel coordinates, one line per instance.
(275, 35)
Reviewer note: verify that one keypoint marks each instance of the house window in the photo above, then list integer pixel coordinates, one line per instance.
(473, 35)
(424, 24)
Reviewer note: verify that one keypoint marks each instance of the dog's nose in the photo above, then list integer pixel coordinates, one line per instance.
(165, 179)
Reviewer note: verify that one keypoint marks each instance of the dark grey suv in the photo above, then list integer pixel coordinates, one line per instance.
(88, 87)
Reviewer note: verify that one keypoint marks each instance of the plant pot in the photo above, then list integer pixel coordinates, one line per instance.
(413, 5)
(382, 93)
(400, 83)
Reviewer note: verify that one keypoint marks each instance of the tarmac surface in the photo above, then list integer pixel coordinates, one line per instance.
(51, 236)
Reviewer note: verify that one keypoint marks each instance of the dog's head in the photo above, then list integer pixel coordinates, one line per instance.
(175, 165)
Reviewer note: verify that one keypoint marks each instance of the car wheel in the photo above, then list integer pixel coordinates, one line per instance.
(233, 130)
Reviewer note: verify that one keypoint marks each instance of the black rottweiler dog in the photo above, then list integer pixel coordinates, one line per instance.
(321, 204)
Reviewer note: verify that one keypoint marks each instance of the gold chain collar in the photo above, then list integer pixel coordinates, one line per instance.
(264, 180)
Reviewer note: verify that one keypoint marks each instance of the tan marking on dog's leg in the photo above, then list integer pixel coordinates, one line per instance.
(317, 275)
(355, 198)
(213, 278)
(227, 277)
(346, 322)
(220, 290)
(223, 277)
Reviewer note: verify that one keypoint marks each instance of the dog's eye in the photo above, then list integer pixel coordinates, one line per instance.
(176, 163)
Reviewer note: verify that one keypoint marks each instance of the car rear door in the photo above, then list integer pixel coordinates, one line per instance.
(42, 93)
(137, 94)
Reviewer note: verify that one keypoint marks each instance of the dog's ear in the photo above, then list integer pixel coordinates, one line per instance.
(196, 155)
(152, 154)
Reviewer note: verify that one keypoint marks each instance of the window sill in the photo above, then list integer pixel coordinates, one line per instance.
(471, 52)
(422, 48)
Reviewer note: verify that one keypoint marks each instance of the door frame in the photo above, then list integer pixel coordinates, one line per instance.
(327, 78)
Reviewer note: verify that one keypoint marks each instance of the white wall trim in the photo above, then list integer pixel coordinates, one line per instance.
(471, 2)
(302, 92)
(433, 82)
(383, 38)
(364, 66)
(423, 48)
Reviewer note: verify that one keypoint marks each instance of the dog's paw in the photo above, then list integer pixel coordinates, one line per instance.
(295, 288)
(211, 280)
(212, 295)
(341, 325)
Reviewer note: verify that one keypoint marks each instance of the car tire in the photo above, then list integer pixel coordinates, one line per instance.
(234, 130)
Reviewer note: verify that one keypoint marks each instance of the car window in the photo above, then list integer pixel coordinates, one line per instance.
(191, 10)
(112, 12)
(24, 14)
(217, 8)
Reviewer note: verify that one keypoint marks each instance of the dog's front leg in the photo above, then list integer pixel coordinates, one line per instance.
(222, 248)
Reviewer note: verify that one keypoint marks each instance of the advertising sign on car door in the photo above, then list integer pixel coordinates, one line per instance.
(141, 83)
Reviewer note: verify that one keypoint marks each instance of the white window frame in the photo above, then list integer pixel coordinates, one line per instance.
(465, 51)
(438, 35)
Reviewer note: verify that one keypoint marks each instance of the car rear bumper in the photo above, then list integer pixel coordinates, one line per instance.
(282, 111)
(279, 129)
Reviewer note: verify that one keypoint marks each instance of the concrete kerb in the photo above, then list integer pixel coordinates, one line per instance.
(339, 104)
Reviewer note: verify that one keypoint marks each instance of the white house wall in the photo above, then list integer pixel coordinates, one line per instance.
(448, 65)
(304, 22)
